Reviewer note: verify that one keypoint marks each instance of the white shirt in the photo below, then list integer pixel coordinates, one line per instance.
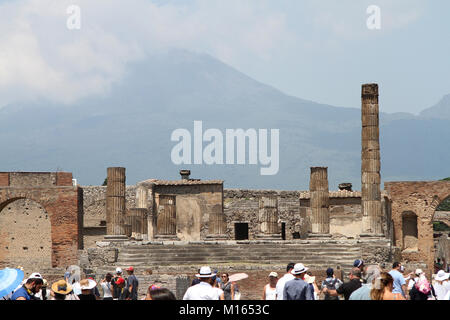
(440, 290)
(106, 286)
(201, 291)
(280, 284)
(271, 293)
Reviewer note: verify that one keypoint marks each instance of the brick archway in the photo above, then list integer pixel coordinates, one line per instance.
(62, 201)
(422, 198)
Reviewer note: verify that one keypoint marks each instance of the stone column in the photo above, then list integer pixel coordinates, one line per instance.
(268, 218)
(115, 202)
(217, 226)
(370, 163)
(319, 202)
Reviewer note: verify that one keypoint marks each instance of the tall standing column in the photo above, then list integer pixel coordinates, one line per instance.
(370, 163)
(115, 201)
(319, 202)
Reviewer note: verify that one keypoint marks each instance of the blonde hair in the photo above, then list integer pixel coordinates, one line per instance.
(379, 285)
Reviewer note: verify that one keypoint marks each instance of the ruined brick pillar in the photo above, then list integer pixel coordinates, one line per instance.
(268, 218)
(319, 202)
(115, 201)
(138, 221)
(370, 163)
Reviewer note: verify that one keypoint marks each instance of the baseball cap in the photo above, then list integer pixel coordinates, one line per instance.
(36, 275)
(130, 269)
(118, 270)
(273, 274)
(358, 263)
(330, 272)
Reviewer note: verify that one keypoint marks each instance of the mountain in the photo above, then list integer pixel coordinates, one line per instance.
(132, 124)
(441, 110)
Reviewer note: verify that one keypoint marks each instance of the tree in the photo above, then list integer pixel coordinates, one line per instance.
(105, 182)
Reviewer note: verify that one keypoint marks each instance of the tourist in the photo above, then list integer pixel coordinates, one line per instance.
(412, 281)
(116, 289)
(270, 289)
(215, 284)
(441, 285)
(399, 280)
(106, 287)
(44, 293)
(297, 288)
(422, 289)
(383, 287)
(28, 290)
(195, 280)
(132, 285)
(282, 281)
(160, 294)
(67, 274)
(331, 283)
(63, 291)
(86, 286)
(347, 288)
(311, 281)
(202, 290)
(95, 291)
(120, 291)
(228, 287)
(370, 274)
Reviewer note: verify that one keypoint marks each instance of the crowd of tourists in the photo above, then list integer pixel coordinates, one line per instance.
(365, 282)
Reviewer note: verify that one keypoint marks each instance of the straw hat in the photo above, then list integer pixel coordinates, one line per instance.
(61, 287)
(299, 268)
(205, 272)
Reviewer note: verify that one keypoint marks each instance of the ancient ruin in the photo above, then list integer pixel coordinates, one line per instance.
(166, 229)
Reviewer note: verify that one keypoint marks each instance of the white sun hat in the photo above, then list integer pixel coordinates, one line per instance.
(205, 272)
(442, 275)
(299, 268)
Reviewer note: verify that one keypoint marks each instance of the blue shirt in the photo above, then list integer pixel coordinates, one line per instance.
(362, 293)
(297, 289)
(398, 281)
(21, 292)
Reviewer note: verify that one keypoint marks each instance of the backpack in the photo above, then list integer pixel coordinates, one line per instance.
(331, 285)
(423, 285)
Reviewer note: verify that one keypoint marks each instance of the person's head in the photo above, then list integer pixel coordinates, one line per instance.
(130, 270)
(355, 274)
(383, 283)
(60, 289)
(273, 278)
(330, 272)
(371, 273)
(205, 274)
(160, 294)
(225, 277)
(299, 271)
(34, 284)
(358, 264)
(396, 265)
(108, 277)
(418, 272)
(289, 267)
(118, 271)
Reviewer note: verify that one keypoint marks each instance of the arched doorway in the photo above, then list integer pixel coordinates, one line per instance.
(410, 231)
(25, 235)
(441, 234)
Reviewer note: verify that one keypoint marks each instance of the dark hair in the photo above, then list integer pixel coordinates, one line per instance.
(290, 266)
(330, 272)
(356, 272)
(161, 294)
(59, 296)
(108, 277)
(35, 280)
(395, 265)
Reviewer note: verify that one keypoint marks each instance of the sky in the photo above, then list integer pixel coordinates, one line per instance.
(319, 50)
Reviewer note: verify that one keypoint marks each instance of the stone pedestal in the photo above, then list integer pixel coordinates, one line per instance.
(319, 202)
(370, 163)
(115, 201)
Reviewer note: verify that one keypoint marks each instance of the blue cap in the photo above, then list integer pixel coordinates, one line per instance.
(358, 263)
(330, 272)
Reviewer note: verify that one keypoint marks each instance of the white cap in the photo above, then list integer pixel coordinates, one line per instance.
(418, 272)
(118, 270)
(36, 275)
(273, 274)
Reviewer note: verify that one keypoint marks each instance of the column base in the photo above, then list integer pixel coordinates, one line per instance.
(319, 235)
(212, 237)
(115, 237)
(371, 235)
(262, 236)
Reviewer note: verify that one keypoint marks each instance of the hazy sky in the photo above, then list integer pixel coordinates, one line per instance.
(319, 50)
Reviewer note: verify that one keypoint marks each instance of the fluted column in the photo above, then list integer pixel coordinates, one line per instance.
(115, 201)
(319, 201)
(217, 226)
(138, 223)
(370, 163)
